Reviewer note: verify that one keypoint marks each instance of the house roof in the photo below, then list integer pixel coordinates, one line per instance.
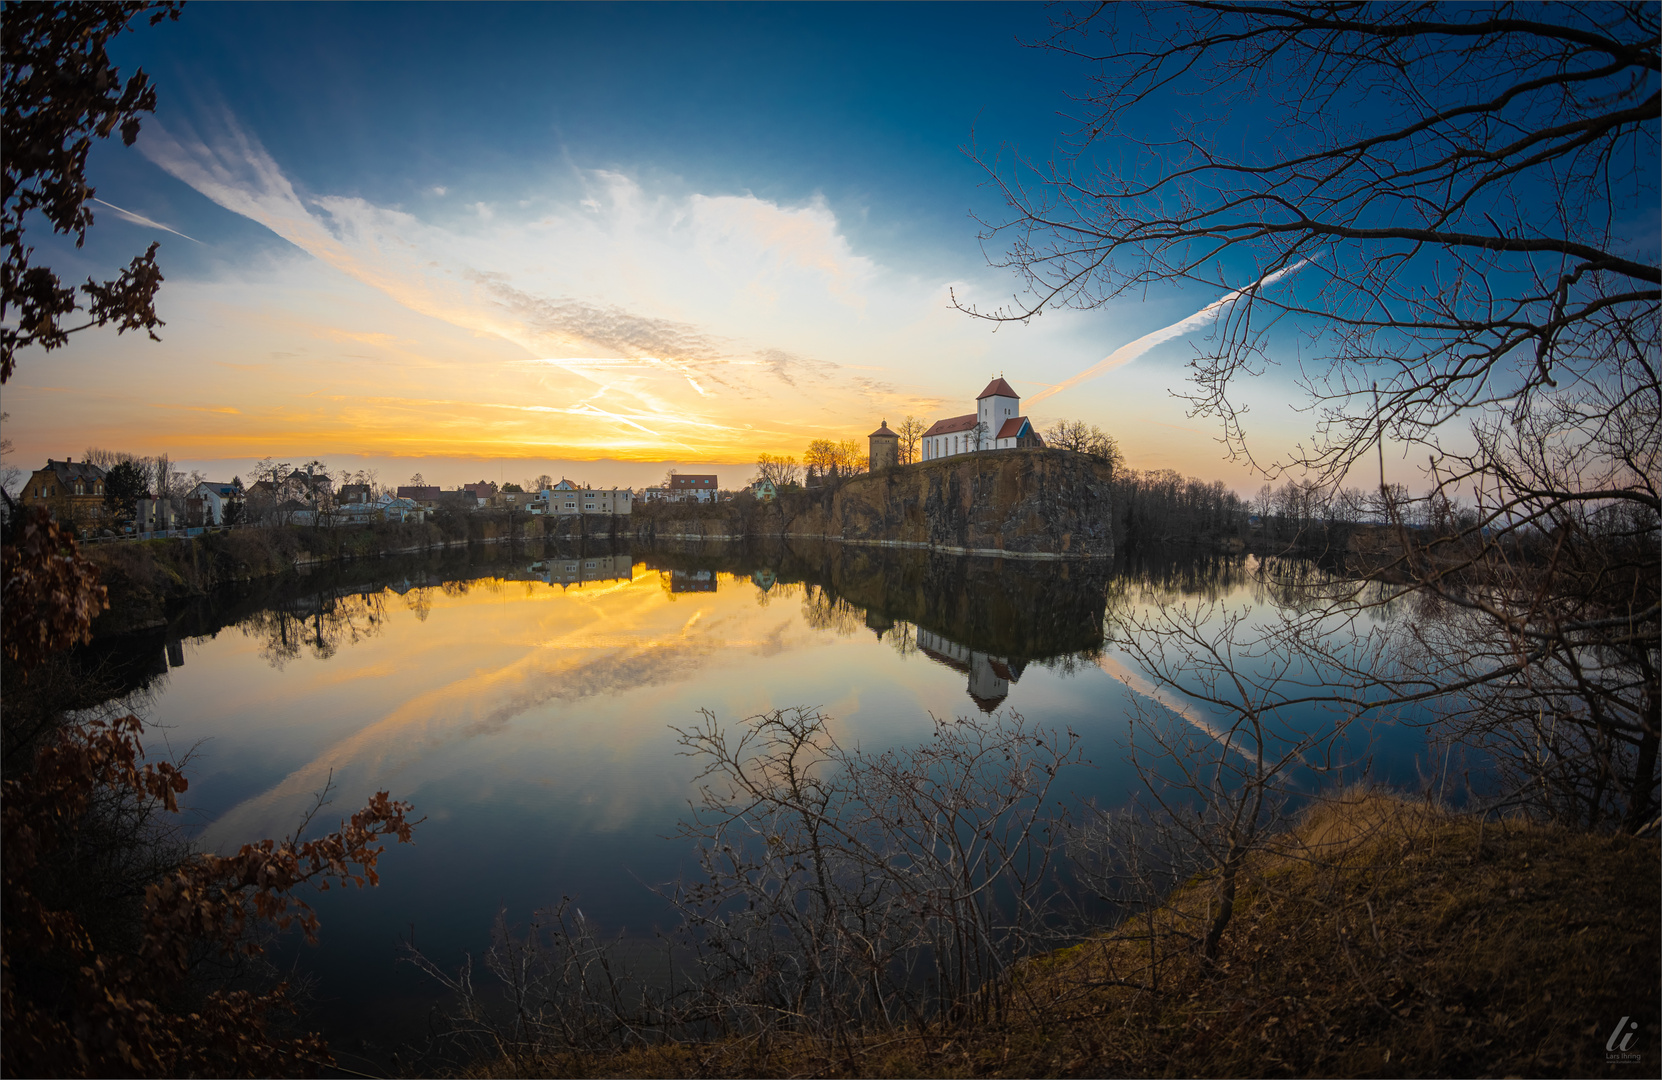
(223, 488)
(693, 480)
(67, 470)
(951, 424)
(1012, 428)
(883, 432)
(428, 491)
(997, 388)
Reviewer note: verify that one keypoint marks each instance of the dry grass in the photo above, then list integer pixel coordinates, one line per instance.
(1380, 938)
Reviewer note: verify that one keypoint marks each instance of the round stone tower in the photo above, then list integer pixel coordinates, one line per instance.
(885, 448)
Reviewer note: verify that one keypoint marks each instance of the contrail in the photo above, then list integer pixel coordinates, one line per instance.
(142, 220)
(1130, 351)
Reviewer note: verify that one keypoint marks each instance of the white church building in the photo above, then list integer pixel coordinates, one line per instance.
(996, 424)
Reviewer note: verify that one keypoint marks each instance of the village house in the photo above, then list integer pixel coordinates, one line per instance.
(73, 491)
(693, 487)
(483, 491)
(424, 494)
(380, 508)
(157, 515)
(306, 486)
(567, 497)
(208, 501)
(996, 424)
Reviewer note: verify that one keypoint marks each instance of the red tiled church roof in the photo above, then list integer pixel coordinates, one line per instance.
(1012, 428)
(997, 388)
(951, 424)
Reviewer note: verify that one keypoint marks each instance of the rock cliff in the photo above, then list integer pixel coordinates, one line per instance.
(1021, 503)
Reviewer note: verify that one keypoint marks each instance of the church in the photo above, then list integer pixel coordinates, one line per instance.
(996, 424)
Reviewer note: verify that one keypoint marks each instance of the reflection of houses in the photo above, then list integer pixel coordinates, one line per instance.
(989, 676)
(763, 579)
(584, 570)
(692, 581)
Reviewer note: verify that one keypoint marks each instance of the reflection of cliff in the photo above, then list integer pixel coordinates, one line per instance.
(1002, 607)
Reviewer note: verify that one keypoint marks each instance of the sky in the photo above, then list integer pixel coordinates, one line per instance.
(488, 242)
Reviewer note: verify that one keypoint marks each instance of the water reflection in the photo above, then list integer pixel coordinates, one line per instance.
(521, 698)
(985, 618)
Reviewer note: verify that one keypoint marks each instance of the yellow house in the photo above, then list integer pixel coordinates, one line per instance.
(73, 491)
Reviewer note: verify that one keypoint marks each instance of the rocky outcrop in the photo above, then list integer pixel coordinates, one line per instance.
(1012, 503)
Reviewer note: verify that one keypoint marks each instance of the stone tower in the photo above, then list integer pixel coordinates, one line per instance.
(885, 448)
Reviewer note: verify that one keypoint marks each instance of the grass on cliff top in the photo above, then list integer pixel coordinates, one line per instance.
(1382, 938)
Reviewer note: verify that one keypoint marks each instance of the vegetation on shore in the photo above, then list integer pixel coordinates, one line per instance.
(1380, 936)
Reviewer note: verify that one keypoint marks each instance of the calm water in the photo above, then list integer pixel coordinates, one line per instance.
(522, 700)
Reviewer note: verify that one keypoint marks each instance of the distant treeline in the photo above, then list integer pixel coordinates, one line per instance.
(1161, 506)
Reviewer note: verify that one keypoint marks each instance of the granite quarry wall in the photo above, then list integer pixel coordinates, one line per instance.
(1042, 504)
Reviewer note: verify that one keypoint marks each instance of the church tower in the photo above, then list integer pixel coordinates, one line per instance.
(997, 405)
(885, 448)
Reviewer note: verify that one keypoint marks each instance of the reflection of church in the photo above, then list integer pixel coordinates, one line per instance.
(989, 676)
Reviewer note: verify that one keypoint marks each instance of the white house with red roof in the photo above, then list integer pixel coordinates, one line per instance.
(996, 424)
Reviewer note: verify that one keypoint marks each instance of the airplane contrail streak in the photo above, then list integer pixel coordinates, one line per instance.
(142, 220)
(1131, 350)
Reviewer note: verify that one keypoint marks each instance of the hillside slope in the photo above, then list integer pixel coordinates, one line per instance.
(1380, 938)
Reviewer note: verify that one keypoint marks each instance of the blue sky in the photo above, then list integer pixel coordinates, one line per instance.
(587, 239)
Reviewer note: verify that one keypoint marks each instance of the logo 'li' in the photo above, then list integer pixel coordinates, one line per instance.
(1624, 1031)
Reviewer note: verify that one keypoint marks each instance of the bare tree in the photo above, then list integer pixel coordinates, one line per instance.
(1083, 438)
(10, 475)
(840, 892)
(782, 471)
(1458, 255)
(911, 432)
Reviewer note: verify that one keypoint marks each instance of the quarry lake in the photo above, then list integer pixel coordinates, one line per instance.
(523, 701)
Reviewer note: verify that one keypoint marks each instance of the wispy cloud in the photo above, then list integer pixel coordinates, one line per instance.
(1133, 349)
(675, 288)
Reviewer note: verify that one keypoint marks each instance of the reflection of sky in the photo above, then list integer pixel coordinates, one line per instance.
(530, 725)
